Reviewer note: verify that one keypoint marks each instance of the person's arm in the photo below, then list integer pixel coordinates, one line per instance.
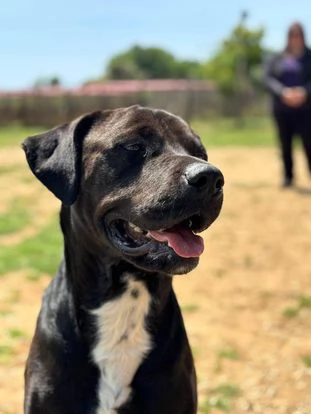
(307, 88)
(307, 85)
(272, 84)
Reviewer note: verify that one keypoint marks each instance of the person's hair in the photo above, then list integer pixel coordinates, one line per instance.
(295, 28)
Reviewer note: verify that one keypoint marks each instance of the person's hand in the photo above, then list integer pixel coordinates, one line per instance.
(300, 95)
(294, 97)
(288, 97)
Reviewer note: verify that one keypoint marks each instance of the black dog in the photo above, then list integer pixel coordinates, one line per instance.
(135, 187)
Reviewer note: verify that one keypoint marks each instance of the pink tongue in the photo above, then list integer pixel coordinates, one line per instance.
(182, 240)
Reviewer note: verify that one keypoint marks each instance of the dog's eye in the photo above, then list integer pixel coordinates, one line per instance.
(135, 147)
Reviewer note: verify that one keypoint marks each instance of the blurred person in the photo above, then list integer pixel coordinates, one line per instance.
(288, 79)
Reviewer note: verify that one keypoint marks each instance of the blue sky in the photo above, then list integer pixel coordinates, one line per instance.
(74, 39)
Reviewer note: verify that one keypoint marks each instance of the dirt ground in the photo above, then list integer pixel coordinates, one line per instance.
(247, 306)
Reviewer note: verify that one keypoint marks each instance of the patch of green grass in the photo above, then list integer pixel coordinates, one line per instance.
(195, 351)
(229, 354)
(226, 353)
(303, 302)
(256, 131)
(7, 169)
(14, 135)
(219, 403)
(16, 333)
(227, 390)
(220, 398)
(39, 254)
(190, 308)
(33, 276)
(224, 132)
(6, 352)
(307, 360)
(16, 217)
(5, 312)
(248, 261)
(290, 312)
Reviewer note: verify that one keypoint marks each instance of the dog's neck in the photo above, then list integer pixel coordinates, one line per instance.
(86, 260)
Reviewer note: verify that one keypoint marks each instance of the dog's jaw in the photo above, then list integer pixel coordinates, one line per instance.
(165, 242)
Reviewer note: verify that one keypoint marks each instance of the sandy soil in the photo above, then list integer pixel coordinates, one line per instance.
(255, 266)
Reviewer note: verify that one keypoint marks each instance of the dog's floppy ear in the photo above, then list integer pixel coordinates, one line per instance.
(55, 157)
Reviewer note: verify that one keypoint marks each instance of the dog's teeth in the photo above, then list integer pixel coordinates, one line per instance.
(135, 228)
(190, 223)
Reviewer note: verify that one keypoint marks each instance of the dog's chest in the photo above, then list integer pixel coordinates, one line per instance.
(122, 344)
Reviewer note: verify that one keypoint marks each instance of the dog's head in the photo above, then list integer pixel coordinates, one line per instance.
(138, 181)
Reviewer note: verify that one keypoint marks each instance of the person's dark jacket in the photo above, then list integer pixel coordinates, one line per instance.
(273, 79)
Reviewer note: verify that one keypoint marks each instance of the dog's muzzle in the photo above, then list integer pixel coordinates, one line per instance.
(199, 206)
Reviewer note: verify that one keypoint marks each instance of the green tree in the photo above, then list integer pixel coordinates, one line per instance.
(189, 69)
(47, 81)
(123, 66)
(55, 81)
(237, 60)
(150, 63)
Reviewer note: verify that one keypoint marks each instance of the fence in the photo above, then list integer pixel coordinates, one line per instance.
(54, 105)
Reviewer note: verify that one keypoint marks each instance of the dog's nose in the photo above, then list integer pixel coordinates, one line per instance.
(204, 177)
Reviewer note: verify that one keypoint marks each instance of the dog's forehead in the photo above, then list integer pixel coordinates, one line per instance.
(128, 122)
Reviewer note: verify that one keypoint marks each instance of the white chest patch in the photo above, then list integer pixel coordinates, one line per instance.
(121, 345)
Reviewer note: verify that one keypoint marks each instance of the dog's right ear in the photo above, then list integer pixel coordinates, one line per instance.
(55, 157)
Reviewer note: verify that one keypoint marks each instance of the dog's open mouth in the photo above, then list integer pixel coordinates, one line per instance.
(181, 237)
